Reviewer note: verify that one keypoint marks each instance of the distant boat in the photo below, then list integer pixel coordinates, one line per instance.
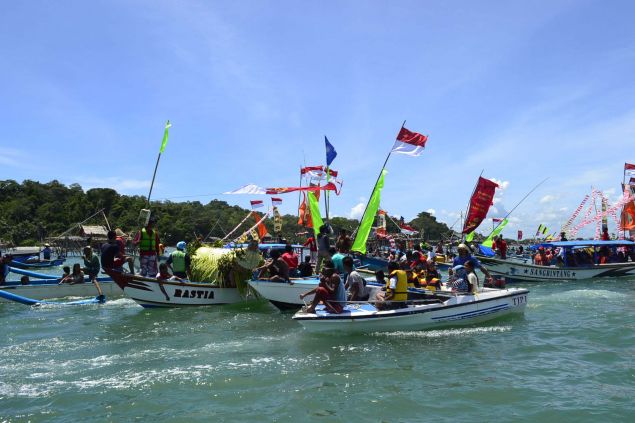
(527, 271)
(42, 289)
(438, 309)
(36, 263)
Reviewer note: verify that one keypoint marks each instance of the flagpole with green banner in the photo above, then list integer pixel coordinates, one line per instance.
(164, 142)
(489, 240)
(314, 208)
(359, 245)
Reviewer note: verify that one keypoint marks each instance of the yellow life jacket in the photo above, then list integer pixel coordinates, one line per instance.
(401, 290)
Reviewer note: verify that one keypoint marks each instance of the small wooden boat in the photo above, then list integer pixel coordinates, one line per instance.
(9, 296)
(438, 309)
(513, 269)
(41, 264)
(152, 292)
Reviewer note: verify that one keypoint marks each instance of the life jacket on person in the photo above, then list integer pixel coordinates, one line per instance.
(401, 289)
(412, 278)
(178, 261)
(148, 243)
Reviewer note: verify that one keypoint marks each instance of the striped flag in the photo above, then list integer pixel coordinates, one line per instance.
(276, 201)
(542, 229)
(256, 204)
(410, 143)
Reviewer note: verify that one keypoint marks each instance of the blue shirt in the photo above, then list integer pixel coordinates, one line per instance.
(338, 262)
(340, 294)
(460, 261)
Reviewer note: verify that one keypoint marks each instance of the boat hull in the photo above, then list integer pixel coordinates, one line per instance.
(46, 289)
(37, 265)
(150, 292)
(518, 270)
(455, 311)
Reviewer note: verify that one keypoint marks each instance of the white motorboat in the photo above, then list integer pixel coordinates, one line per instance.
(152, 292)
(438, 309)
(527, 271)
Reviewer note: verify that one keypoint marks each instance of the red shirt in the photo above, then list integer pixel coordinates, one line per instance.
(311, 244)
(291, 259)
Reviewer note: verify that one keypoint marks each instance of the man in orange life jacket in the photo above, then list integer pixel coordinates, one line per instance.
(148, 241)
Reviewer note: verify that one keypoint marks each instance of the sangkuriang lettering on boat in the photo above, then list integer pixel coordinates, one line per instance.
(193, 293)
(550, 273)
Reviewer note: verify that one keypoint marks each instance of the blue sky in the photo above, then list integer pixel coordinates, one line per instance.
(520, 90)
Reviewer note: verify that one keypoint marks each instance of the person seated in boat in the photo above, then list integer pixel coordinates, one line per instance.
(418, 258)
(355, 283)
(4, 268)
(559, 261)
(439, 248)
(432, 275)
(458, 279)
(605, 234)
(66, 275)
(392, 256)
(540, 259)
(337, 257)
(24, 280)
(165, 275)
(306, 268)
(472, 279)
(275, 269)
(291, 258)
(621, 257)
(380, 277)
(326, 291)
(91, 263)
(46, 252)
(464, 255)
(396, 293)
(77, 275)
(179, 261)
(501, 247)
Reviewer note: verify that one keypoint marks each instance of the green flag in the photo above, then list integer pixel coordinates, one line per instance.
(469, 237)
(165, 137)
(314, 207)
(488, 241)
(366, 224)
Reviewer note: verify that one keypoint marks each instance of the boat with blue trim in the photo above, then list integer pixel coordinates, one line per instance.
(569, 269)
(435, 310)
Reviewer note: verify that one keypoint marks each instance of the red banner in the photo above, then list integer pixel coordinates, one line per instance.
(479, 204)
(262, 229)
(520, 235)
(629, 166)
(328, 187)
(628, 217)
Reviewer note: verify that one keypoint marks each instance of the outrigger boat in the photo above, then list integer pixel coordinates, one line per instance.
(47, 286)
(437, 309)
(152, 292)
(518, 270)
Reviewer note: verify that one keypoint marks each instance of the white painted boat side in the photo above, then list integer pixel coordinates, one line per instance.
(150, 293)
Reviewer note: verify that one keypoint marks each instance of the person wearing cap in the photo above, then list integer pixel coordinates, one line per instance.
(148, 241)
(46, 252)
(121, 258)
(179, 261)
(464, 255)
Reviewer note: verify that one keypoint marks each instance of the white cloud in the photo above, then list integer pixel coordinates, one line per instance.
(357, 211)
(502, 185)
(432, 211)
(547, 199)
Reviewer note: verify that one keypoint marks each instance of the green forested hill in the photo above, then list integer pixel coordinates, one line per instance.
(31, 211)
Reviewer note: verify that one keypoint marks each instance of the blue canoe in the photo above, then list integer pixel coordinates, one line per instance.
(100, 299)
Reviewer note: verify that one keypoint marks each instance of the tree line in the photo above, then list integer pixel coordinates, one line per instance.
(32, 211)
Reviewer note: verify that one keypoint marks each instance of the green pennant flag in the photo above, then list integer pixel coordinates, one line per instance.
(469, 237)
(165, 137)
(366, 224)
(488, 241)
(314, 208)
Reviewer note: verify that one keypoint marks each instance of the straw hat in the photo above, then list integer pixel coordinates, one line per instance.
(119, 232)
(462, 247)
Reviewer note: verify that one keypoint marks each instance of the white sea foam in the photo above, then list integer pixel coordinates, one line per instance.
(443, 333)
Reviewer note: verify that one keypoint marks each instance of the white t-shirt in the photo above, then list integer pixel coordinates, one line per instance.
(473, 279)
(355, 278)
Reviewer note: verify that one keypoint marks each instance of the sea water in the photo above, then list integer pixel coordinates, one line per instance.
(569, 358)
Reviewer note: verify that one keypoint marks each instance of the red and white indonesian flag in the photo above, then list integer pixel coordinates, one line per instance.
(276, 201)
(497, 219)
(256, 204)
(410, 143)
(629, 168)
(317, 172)
(407, 229)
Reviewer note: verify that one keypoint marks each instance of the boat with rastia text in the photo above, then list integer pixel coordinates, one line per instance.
(437, 309)
(569, 268)
(152, 292)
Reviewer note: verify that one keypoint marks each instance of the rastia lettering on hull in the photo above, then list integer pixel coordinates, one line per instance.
(551, 273)
(194, 293)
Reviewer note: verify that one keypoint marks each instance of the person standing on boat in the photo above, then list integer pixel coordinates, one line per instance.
(91, 263)
(323, 246)
(343, 243)
(292, 260)
(464, 255)
(46, 252)
(148, 241)
(501, 247)
(121, 257)
(310, 242)
(179, 261)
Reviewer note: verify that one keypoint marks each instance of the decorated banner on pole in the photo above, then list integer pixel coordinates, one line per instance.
(314, 207)
(277, 220)
(366, 224)
(490, 239)
(479, 204)
(520, 235)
